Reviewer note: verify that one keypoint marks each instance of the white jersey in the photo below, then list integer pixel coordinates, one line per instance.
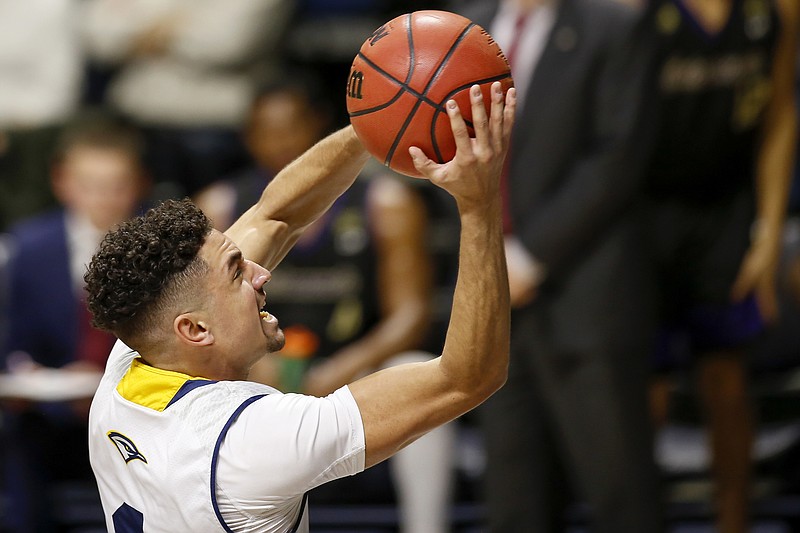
(177, 453)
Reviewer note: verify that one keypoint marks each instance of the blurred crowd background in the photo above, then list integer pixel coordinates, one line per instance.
(109, 106)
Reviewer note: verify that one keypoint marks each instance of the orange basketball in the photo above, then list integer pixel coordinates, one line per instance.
(405, 73)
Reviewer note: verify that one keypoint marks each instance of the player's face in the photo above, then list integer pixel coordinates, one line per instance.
(237, 298)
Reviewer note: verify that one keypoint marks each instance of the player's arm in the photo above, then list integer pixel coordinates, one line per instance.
(297, 196)
(402, 403)
(779, 136)
(398, 223)
(774, 169)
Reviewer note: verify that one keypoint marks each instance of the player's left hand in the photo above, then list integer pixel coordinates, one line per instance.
(473, 175)
(757, 276)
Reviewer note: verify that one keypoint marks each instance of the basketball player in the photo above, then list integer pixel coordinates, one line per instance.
(718, 189)
(353, 295)
(180, 443)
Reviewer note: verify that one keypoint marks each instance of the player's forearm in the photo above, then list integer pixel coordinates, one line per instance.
(776, 157)
(298, 196)
(307, 187)
(774, 178)
(475, 355)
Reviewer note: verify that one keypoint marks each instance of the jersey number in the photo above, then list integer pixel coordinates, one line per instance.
(128, 520)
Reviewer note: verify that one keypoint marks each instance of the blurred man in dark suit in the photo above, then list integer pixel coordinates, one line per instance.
(572, 418)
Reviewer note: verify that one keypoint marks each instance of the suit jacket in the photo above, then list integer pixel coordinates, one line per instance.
(577, 156)
(43, 307)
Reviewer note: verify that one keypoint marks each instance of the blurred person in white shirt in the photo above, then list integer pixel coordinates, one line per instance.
(186, 70)
(41, 68)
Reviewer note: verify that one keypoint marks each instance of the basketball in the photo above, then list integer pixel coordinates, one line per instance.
(404, 74)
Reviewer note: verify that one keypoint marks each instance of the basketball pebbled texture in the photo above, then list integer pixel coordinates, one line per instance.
(404, 74)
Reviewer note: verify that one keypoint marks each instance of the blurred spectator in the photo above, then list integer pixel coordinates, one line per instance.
(352, 295)
(40, 82)
(99, 181)
(572, 421)
(287, 116)
(718, 187)
(186, 71)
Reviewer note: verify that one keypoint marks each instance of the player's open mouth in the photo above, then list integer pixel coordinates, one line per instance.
(265, 315)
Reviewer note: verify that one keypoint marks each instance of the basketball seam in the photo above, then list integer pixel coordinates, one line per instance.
(437, 72)
(403, 85)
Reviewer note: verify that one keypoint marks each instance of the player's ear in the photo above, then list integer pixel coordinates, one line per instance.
(191, 329)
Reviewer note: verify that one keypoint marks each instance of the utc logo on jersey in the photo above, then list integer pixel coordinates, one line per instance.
(126, 447)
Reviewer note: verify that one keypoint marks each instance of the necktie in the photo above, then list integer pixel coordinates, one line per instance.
(519, 27)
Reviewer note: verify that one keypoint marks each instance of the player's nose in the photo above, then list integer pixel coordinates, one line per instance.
(260, 276)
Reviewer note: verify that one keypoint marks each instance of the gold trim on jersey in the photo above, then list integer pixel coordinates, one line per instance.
(150, 387)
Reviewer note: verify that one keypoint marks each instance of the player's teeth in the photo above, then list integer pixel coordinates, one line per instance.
(263, 314)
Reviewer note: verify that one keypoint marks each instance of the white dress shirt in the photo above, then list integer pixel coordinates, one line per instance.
(535, 31)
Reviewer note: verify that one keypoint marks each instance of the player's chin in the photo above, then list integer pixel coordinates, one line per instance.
(275, 341)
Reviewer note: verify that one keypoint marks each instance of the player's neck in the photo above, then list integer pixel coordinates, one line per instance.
(195, 363)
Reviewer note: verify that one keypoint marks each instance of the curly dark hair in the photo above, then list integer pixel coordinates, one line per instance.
(143, 265)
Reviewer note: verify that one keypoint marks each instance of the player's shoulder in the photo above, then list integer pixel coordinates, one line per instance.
(207, 397)
(789, 11)
(118, 362)
(246, 389)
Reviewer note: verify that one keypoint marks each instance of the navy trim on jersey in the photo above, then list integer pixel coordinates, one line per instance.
(215, 456)
(188, 387)
(126, 519)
